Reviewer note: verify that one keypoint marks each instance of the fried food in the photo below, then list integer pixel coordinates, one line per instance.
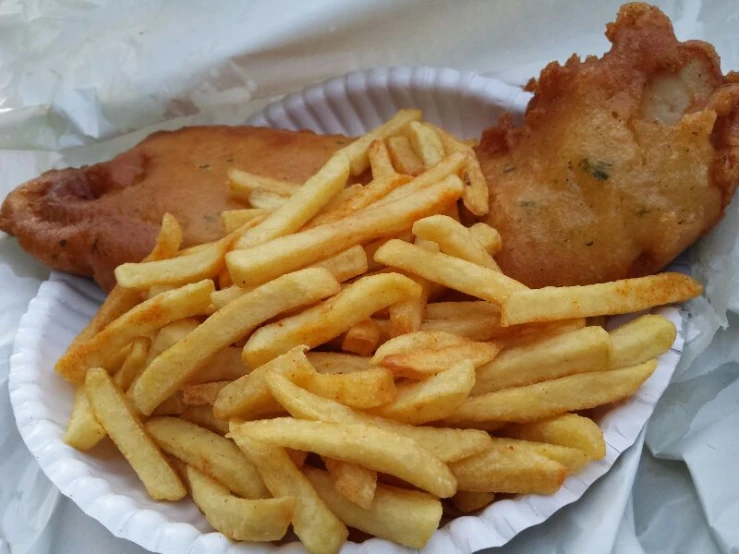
(622, 162)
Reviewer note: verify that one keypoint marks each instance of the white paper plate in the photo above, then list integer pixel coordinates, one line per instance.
(102, 484)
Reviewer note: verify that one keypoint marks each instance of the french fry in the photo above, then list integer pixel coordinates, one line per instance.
(172, 406)
(454, 239)
(250, 397)
(449, 271)
(241, 183)
(571, 458)
(616, 297)
(362, 390)
(488, 237)
(584, 350)
(485, 327)
(224, 279)
(233, 219)
(352, 481)
(406, 316)
(128, 434)
(133, 364)
(239, 518)
(451, 310)
(157, 290)
(204, 417)
(403, 157)
(325, 321)
(225, 365)
(171, 369)
(320, 531)
(508, 469)
(432, 399)
(550, 398)
(641, 339)
(358, 443)
(202, 394)
(404, 516)
(371, 247)
(426, 144)
(264, 262)
(379, 160)
(83, 430)
(358, 151)
(142, 320)
(337, 362)
(362, 338)
(446, 444)
(411, 342)
(266, 200)
(569, 430)
(302, 205)
(214, 455)
(469, 501)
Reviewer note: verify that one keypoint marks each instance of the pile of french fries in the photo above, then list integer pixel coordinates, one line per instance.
(352, 356)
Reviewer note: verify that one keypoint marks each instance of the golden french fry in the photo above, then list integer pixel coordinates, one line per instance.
(451, 310)
(172, 368)
(566, 430)
(362, 338)
(469, 501)
(580, 351)
(551, 398)
(354, 482)
(449, 271)
(121, 300)
(359, 443)
(142, 320)
(320, 531)
(358, 151)
(488, 237)
(446, 444)
(157, 290)
(306, 202)
(372, 247)
(412, 342)
(266, 200)
(209, 452)
(116, 361)
(422, 363)
(329, 319)
(379, 160)
(133, 364)
(403, 157)
(641, 339)
(432, 399)
(362, 390)
(336, 362)
(83, 430)
(128, 434)
(616, 297)
(454, 239)
(407, 316)
(485, 327)
(426, 144)
(238, 518)
(276, 257)
(241, 183)
(201, 394)
(404, 516)
(508, 469)
(225, 365)
(204, 417)
(234, 219)
(172, 406)
(250, 397)
(220, 298)
(571, 458)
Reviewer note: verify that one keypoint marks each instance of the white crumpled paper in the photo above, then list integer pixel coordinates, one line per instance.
(74, 74)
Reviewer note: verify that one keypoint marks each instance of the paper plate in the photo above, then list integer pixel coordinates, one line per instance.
(103, 485)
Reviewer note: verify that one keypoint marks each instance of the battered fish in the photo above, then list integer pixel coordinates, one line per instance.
(89, 220)
(622, 162)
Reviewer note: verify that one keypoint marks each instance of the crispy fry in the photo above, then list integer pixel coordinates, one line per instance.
(265, 200)
(469, 501)
(488, 237)
(362, 338)
(362, 390)
(202, 393)
(571, 458)
(241, 183)
(336, 362)
(128, 434)
(233, 219)
(325, 321)
(426, 144)
(454, 239)
(225, 365)
(642, 339)
(617, 297)
(204, 417)
(450, 310)
(421, 340)
(569, 430)
(371, 247)
(83, 430)
(421, 363)
(403, 157)
(379, 160)
(171, 369)
(134, 363)
(406, 316)
(352, 481)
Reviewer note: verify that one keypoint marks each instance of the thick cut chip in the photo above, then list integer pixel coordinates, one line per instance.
(171, 369)
(379, 159)
(426, 144)
(233, 219)
(616, 297)
(566, 430)
(432, 399)
(209, 452)
(580, 351)
(446, 444)
(454, 239)
(83, 430)
(362, 390)
(400, 515)
(241, 183)
(422, 363)
(449, 271)
(134, 363)
(551, 398)
(352, 481)
(306, 202)
(506, 468)
(142, 320)
(571, 458)
(359, 443)
(329, 319)
(412, 342)
(264, 262)
(125, 429)
(642, 339)
(336, 362)
(362, 338)
(469, 501)
(239, 518)
(320, 531)
(488, 237)
(403, 157)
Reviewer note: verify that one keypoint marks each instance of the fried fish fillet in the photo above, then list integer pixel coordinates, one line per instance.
(89, 220)
(622, 162)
